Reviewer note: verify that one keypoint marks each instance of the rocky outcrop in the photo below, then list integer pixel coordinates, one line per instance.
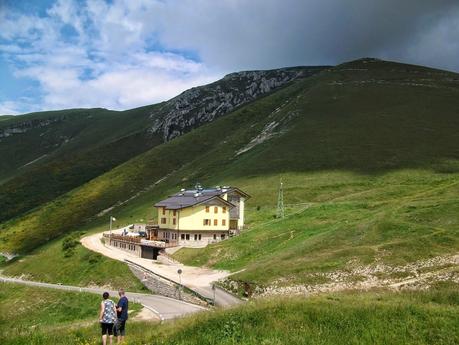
(24, 126)
(203, 104)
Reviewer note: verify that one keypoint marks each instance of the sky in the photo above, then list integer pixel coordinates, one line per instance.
(121, 54)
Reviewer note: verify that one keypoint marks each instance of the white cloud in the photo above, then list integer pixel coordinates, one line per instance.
(10, 108)
(120, 54)
(105, 60)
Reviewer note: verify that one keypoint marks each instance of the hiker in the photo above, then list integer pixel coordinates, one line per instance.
(107, 318)
(122, 313)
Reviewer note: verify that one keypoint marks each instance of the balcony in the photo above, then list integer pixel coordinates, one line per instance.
(152, 242)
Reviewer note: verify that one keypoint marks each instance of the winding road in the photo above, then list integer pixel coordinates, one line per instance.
(195, 278)
(165, 308)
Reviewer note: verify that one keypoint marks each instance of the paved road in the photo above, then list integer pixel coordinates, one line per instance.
(222, 298)
(195, 278)
(166, 308)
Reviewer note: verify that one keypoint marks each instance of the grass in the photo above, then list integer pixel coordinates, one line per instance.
(66, 212)
(377, 317)
(79, 145)
(61, 150)
(336, 218)
(369, 122)
(373, 159)
(30, 312)
(51, 263)
(5, 117)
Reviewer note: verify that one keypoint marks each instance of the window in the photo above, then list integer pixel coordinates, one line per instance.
(187, 237)
(215, 222)
(215, 236)
(199, 237)
(175, 213)
(195, 237)
(164, 211)
(163, 220)
(182, 236)
(224, 209)
(223, 222)
(206, 222)
(215, 209)
(207, 209)
(174, 221)
(222, 236)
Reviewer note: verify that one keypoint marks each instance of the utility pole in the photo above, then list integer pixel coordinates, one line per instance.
(111, 220)
(179, 271)
(280, 201)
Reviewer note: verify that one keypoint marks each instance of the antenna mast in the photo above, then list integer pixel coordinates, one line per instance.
(280, 201)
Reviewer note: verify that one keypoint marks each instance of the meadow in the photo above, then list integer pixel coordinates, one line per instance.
(375, 317)
(78, 266)
(30, 314)
(369, 164)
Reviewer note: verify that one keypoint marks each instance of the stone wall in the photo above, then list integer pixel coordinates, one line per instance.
(163, 287)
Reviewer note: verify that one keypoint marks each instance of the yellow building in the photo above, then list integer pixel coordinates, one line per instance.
(197, 217)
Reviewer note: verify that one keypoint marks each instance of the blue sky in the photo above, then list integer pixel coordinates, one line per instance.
(65, 54)
(121, 54)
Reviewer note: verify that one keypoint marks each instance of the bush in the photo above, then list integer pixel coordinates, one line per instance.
(69, 243)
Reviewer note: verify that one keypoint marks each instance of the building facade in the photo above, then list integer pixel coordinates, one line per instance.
(197, 217)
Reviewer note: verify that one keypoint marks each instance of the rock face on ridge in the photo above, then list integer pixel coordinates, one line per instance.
(203, 104)
(27, 125)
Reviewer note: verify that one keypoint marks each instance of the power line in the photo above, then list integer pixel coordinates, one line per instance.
(280, 201)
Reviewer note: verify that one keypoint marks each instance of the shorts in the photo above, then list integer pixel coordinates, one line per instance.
(107, 328)
(120, 328)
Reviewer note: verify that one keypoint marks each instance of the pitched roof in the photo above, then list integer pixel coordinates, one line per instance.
(191, 197)
(175, 202)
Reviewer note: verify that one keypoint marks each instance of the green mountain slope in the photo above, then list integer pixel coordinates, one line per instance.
(61, 150)
(369, 155)
(5, 117)
(47, 154)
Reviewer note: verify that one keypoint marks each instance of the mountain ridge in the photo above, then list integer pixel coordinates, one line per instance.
(49, 153)
(334, 119)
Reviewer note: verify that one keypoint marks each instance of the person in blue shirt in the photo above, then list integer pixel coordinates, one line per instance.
(122, 313)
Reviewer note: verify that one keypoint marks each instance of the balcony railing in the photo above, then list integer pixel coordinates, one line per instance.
(138, 240)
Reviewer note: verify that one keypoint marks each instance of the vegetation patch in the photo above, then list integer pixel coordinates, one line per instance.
(32, 314)
(51, 263)
(377, 317)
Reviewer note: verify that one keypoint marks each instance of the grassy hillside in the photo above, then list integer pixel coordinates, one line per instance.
(429, 317)
(335, 221)
(31, 313)
(369, 155)
(5, 117)
(72, 265)
(61, 150)
(143, 171)
(45, 155)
